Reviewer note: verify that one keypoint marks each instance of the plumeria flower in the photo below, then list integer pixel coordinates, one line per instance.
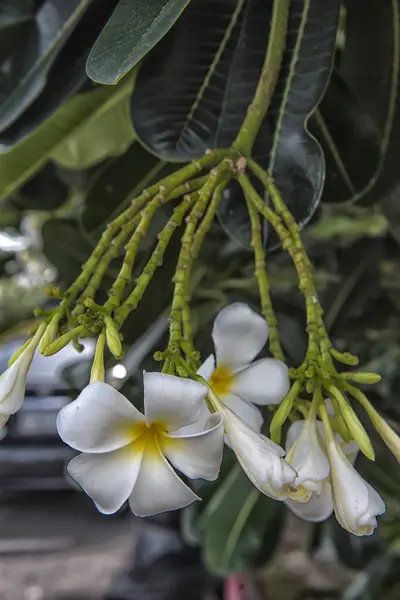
(260, 458)
(128, 456)
(239, 334)
(312, 500)
(356, 503)
(13, 380)
(307, 457)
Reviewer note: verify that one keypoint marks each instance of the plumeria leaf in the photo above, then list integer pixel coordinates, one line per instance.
(179, 111)
(234, 524)
(24, 160)
(109, 133)
(15, 22)
(358, 120)
(65, 72)
(132, 30)
(65, 247)
(114, 185)
(37, 55)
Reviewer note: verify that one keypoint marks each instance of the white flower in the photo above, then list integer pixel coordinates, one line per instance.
(13, 380)
(312, 501)
(307, 457)
(318, 508)
(127, 456)
(355, 501)
(239, 334)
(260, 458)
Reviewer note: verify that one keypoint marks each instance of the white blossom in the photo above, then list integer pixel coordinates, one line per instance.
(260, 458)
(239, 334)
(356, 503)
(307, 456)
(312, 500)
(128, 456)
(13, 380)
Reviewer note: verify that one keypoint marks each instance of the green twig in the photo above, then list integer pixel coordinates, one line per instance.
(263, 284)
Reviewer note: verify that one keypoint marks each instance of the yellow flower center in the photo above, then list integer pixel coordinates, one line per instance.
(150, 436)
(145, 435)
(222, 380)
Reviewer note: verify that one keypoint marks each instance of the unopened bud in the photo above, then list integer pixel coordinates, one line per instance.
(356, 429)
(112, 337)
(62, 341)
(97, 372)
(283, 412)
(50, 333)
(360, 377)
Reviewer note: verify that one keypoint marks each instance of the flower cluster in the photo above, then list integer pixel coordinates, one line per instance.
(129, 456)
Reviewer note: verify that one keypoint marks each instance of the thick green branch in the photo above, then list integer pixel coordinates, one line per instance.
(268, 79)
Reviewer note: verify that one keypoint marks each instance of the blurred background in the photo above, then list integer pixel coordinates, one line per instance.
(73, 153)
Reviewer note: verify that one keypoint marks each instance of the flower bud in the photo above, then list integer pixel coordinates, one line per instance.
(357, 430)
(112, 337)
(359, 377)
(50, 333)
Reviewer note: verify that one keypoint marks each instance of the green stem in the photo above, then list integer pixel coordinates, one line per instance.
(182, 273)
(155, 259)
(263, 284)
(131, 249)
(269, 76)
(205, 225)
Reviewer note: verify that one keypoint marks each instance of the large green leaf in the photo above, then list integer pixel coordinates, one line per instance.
(24, 160)
(15, 21)
(110, 133)
(350, 139)
(65, 76)
(53, 24)
(133, 29)
(359, 117)
(116, 184)
(235, 523)
(179, 110)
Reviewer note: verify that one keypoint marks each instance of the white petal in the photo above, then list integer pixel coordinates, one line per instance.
(307, 457)
(293, 433)
(266, 381)
(239, 334)
(198, 455)
(249, 413)
(158, 488)
(199, 425)
(174, 401)
(98, 420)
(356, 503)
(207, 368)
(3, 420)
(318, 508)
(107, 478)
(259, 457)
(13, 381)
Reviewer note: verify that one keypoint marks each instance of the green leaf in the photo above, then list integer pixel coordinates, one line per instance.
(110, 133)
(361, 109)
(54, 23)
(133, 29)
(179, 111)
(65, 77)
(116, 184)
(235, 523)
(65, 247)
(45, 191)
(15, 21)
(24, 160)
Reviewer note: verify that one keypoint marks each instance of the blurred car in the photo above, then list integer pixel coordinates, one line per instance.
(32, 456)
